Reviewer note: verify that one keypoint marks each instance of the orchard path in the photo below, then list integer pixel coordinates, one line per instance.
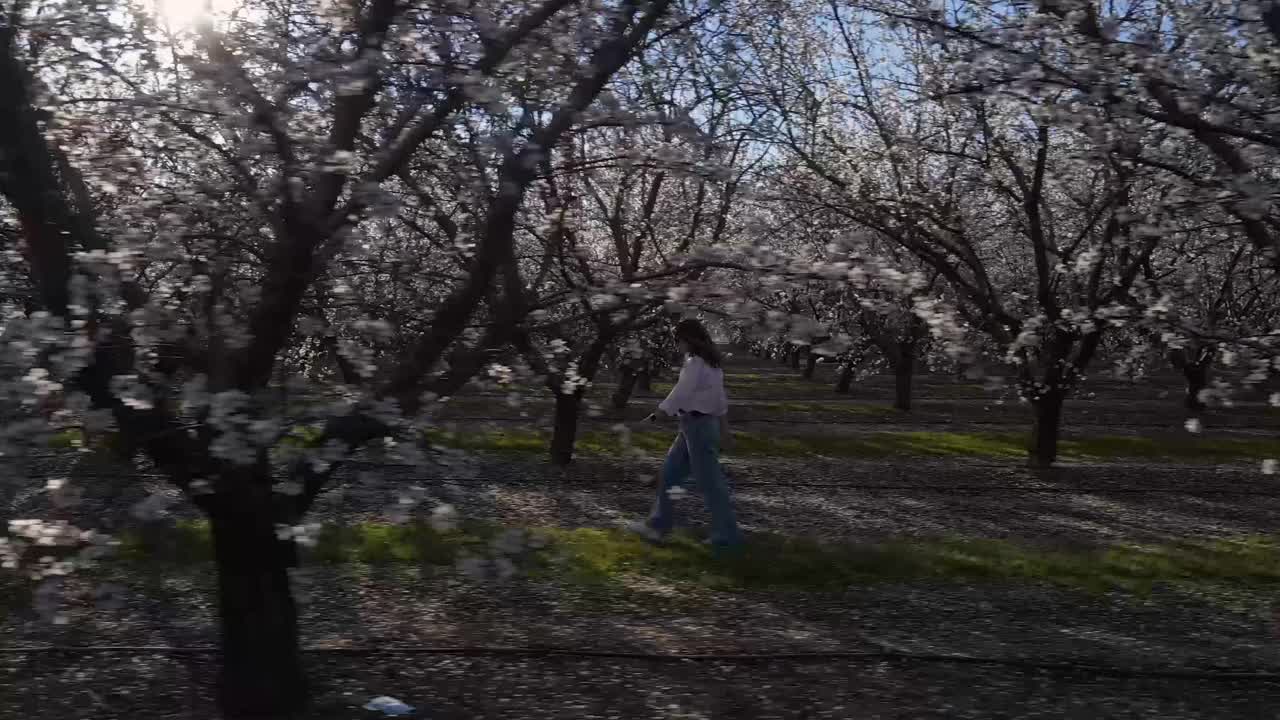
(1041, 642)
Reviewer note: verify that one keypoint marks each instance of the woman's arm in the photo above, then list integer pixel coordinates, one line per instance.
(682, 390)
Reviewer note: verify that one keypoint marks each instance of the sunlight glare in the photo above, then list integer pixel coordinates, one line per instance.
(182, 13)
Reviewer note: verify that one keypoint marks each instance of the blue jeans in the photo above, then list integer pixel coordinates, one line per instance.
(696, 451)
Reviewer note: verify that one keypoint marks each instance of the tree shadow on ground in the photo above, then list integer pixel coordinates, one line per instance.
(1075, 506)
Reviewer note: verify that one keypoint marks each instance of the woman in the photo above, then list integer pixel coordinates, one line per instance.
(699, 401)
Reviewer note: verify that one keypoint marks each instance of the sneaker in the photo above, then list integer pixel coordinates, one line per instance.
(646, 531)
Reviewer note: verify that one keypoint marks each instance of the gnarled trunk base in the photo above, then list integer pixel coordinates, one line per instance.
(1046, 426)
(261, 677)
(626, 385)
(1197, 379)
(811, 364)
(565, 431)
(903, 375)
(845, 378)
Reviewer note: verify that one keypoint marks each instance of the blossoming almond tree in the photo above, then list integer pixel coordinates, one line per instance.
(1040, 233)
(170, 290)
(1201, 71)
(1222, 303)
(629, 201)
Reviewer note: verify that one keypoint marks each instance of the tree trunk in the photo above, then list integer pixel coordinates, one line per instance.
(1195, 363)
(904, 366)
(903, 374)
(565, 431)
(1197, 377)
(1046, 423)
(795, 357)
(644, 379)
(846, 378)
(810, 365)
(626, 385)
(261, 677)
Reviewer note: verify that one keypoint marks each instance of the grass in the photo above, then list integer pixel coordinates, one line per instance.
(71, 439)
(775, 563)
(187, 543)
(843, 408)
(1174, 448)
(593, 557)
(891, 445)
(530, 442)
(764, 386)
(928, 384)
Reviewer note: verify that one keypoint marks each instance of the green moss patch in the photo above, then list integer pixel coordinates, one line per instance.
(606, 557)
(890, 444)
(850, 409)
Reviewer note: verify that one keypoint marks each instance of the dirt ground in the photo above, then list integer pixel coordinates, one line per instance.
(930, 648)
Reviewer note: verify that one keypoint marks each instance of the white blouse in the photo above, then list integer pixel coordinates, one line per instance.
(700, 388)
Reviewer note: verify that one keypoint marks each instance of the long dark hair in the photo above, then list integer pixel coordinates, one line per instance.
(699, 341)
